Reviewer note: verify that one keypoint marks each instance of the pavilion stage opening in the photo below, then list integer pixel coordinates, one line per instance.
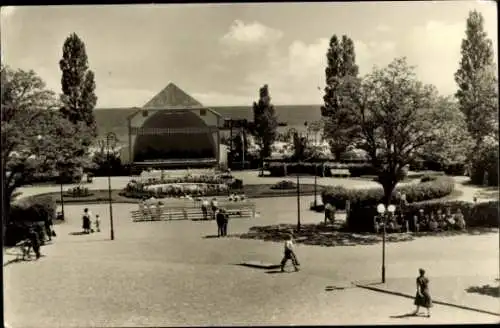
(173, 131)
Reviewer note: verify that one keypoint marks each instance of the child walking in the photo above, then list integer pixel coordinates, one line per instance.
(289, 254)
(97, 223)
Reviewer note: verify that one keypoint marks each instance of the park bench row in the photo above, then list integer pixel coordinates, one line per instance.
(235, 210)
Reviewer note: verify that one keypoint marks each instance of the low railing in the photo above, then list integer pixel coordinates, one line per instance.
(244, 209)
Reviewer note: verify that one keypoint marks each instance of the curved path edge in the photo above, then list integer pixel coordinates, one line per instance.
(387, 291)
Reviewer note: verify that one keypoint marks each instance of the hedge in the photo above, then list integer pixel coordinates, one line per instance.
(320, 169)
(485, 214)
(438, 188)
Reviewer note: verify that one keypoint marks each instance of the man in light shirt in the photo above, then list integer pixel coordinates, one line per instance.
(289, 254)
(204, 208)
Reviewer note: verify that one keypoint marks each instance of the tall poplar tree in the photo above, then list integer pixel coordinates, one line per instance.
(78, 84)
(477, 83)
(265, 122)
(341, 63)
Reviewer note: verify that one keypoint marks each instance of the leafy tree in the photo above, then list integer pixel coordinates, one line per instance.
(392, 119)
(451, 142)
(103, 161)
(35, 138)
(78, 85)
(240, 143)
(265, 122)
(476, 79)
(341, 60)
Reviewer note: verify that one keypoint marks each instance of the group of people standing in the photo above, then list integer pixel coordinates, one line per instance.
(87, 222)
(211, 210)
(440, 221)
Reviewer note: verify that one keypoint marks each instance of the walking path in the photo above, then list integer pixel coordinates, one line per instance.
(176, 273)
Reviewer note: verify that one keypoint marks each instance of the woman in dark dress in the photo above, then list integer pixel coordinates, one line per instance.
(86, 221)
(423, 297)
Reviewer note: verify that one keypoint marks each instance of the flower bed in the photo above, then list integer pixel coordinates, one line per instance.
(337, 195)
(285, 184)
(196, 186)
(78, 191)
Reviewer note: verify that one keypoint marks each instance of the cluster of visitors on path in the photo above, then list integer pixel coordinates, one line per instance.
(434, 221)
(31, 241)
(87, 222)
(34, 235)
(440, 221)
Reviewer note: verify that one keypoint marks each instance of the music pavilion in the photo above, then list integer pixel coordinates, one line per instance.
(174, 130)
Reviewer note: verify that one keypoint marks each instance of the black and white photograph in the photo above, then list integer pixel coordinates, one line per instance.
(249, 164)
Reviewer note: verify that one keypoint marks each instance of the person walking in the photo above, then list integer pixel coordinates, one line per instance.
(219, 217)
(423, 296)
(97, 223)
(86, 221)
(34, 242)
(214, 206)
(225, 222)
(204, 208)
(329, 213)
(48, 227)
(289, 254)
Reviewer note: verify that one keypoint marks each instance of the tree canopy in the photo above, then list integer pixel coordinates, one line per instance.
(35, 137)
(477, 82)
(341, 63)
(78, 85)
(265, 122)
(392, 118)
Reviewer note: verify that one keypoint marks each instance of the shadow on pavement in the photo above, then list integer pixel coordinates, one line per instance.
(21, 260)
(327, 235)
(332, 288)
(485, 290)
(274, 271)
(320, 234)
(211, 236)
(78, 233)
(406, 315)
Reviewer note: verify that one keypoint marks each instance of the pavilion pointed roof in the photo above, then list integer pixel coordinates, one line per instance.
(172, 96)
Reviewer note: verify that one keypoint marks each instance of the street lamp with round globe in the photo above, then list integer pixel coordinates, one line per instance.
(383, 211)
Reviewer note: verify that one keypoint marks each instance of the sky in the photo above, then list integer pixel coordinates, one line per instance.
(221, 54)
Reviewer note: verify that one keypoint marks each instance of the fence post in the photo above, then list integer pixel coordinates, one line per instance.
(185, 214)
(253, 211)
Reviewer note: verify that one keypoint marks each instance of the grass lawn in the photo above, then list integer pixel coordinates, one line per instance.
(251, 191)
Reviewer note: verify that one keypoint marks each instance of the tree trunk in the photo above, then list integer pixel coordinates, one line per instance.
(338, 153)
(389, 187)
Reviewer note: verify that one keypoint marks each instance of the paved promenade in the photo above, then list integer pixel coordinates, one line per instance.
(176, 273)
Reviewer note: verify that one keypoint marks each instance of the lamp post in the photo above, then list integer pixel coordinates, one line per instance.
(298, 201)
(315, 184)
(382, 210)
(110, 136)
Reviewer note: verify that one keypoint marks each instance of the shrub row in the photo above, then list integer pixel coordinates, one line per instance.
(320, 169)
(338, 195)
(485, 214)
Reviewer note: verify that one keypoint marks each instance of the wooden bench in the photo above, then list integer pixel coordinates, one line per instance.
(193, 212)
